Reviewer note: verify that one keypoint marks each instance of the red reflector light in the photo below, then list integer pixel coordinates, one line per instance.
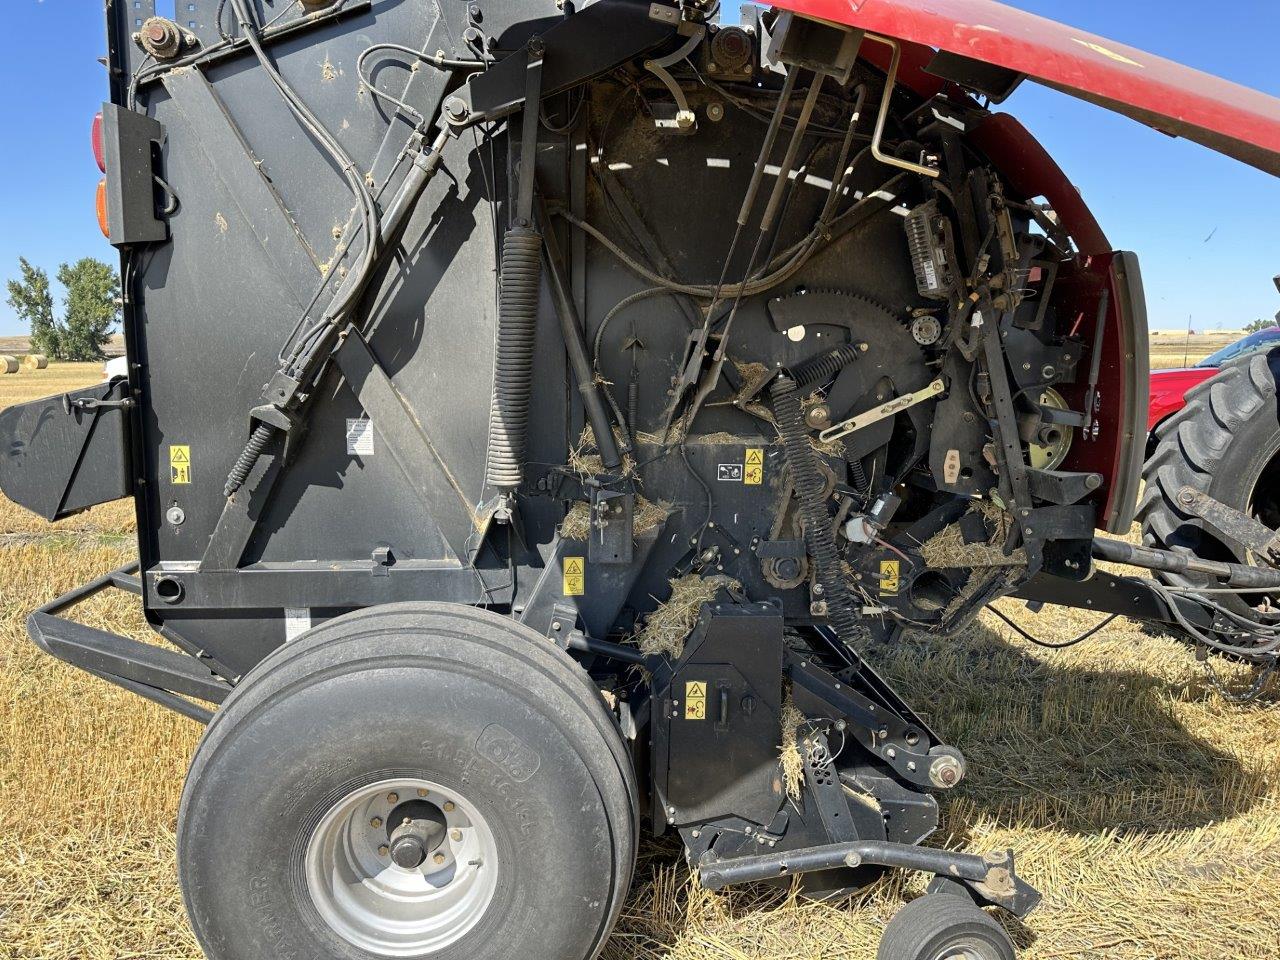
(99, 148)
(103, 222)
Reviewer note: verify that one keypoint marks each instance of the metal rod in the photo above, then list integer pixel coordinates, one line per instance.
(1235, 574)
(766, 148)
(576, 346)
(793, 151)
(890, 82)
(1095, 360)
(603, 648)
(855, 853)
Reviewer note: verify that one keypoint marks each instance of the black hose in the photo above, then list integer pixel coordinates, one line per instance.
(824, 366)
(818, 533)
(521, 281)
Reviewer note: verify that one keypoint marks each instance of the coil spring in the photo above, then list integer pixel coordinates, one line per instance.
(824, 366)
(860, 483)
(818, 533)
(521, 280)
(258, 441)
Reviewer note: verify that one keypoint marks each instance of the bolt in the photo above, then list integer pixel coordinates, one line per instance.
(455, 835)
(438, 859)
(375, 822)
(946, 771)
(995, 858)
(853, 860)
(448, 806)
(556, 625)
(696, 834)
(475, 12)
(383, 850)
(422, 792)
(892, 753)
(715, 112)
(393, 798)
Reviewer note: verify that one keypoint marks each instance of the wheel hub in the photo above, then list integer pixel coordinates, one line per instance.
(402, 867)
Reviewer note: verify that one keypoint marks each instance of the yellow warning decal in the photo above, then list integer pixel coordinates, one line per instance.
(575, 576)
(695, 700)
(890, 577)
(179, 464)
(753, 467)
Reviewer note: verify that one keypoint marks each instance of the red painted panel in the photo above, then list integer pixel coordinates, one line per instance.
(1169, 391)
(1224, 116)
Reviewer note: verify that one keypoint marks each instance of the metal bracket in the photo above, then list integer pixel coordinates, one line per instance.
(1232, 524)
(612, 527)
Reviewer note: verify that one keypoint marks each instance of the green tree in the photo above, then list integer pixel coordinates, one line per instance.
(90, 311)
(1260, 325)
(32, 302)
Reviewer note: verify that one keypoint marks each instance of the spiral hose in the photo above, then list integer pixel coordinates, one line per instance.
(521, 281)
(258, 441)
(823, 366)
(818, 533)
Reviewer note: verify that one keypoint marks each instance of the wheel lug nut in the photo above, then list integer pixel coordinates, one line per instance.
(438, 858)
(383, 850)
(422, 792)
(448, 806)
(455, 835)
(393, 798)
(375, 822)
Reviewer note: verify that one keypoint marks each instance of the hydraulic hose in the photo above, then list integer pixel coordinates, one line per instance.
(521, 281)
(818, 532)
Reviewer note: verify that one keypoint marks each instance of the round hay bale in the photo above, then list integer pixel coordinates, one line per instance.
(8, 364)
(35, 361)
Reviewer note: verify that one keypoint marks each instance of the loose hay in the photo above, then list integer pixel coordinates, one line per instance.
(647, 517)
(947, 548)
(1144, 806)
(789, 750)
(666, 628)
(585, 461)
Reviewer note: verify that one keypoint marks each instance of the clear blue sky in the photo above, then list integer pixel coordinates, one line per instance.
(1158, 196)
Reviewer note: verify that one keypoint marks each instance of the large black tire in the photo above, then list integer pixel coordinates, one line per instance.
(1225, 442)
(456, 696)
(944, 925)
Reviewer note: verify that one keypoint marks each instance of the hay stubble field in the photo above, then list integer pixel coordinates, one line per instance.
(1143, 805)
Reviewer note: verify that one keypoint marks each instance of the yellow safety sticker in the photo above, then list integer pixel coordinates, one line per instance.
(695, 700)
(753, 467)
(890, 577)
(179, 464)
(575, 576)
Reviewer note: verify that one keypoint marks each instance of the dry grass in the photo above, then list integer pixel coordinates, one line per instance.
(1145, 807)
(1178, 350)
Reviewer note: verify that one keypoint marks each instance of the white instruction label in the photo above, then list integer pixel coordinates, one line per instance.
(360, 437)
(297, 621)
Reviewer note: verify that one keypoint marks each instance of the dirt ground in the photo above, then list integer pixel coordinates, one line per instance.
(1143, 805)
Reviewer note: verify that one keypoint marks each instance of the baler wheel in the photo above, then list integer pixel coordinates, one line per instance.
(416, 780)
(944, 926)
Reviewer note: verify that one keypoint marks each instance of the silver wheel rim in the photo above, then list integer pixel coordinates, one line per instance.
(389, 910)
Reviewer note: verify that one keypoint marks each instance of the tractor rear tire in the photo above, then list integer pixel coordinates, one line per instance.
(415, 780)
(1226, 443)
